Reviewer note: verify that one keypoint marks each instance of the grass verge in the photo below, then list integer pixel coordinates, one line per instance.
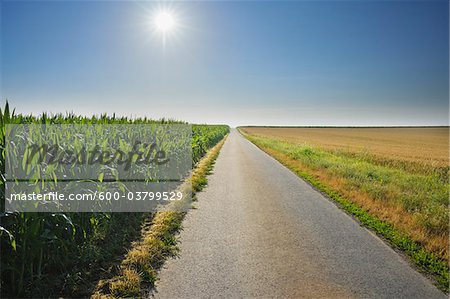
(138, 270)
(427, 262)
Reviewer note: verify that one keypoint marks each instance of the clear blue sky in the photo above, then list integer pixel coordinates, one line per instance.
(242, 62)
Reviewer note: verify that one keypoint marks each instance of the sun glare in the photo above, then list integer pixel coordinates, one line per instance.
(164, 22)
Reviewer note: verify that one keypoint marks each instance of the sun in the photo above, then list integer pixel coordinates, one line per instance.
(164, 22)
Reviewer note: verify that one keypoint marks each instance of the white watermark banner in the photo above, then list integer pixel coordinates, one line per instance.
(95, 168)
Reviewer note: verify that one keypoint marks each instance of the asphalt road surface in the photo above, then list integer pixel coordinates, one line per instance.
(259, 231)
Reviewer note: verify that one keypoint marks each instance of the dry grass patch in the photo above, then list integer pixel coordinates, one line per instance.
(138, 270)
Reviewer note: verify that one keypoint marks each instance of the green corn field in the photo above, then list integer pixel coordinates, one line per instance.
(64, 250)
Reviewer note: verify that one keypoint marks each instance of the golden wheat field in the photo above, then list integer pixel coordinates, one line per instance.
(424, 145)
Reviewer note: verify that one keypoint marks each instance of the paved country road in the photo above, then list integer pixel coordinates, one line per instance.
(260, 231)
